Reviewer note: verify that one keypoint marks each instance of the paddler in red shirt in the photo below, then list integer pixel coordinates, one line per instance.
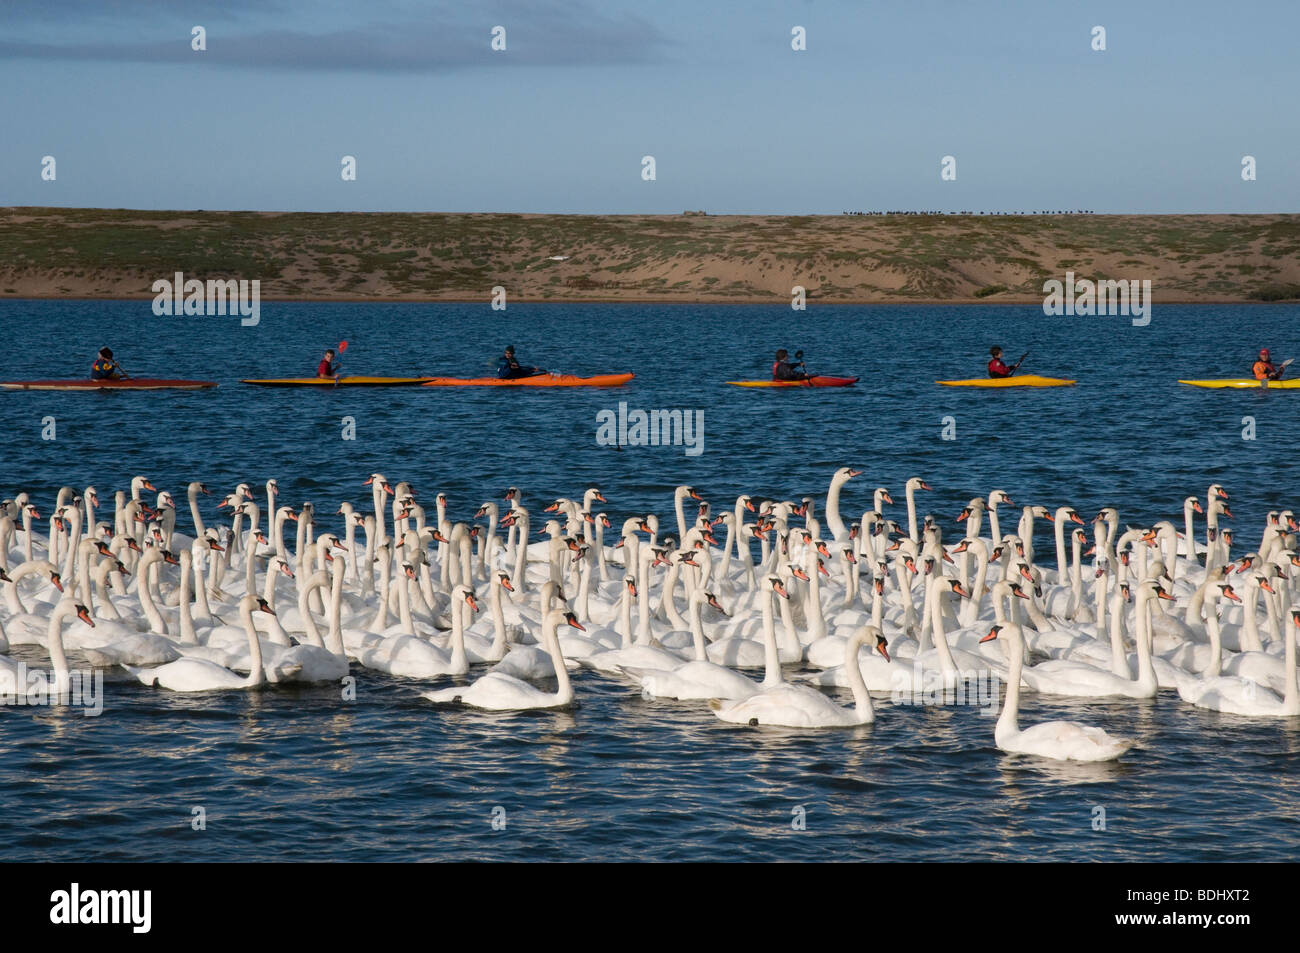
(328, 366)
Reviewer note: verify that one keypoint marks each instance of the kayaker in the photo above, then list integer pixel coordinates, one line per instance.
(328, 366)
(1265, 369)
(508, 368)
(105, 368)
(996, 367)
(783, 369)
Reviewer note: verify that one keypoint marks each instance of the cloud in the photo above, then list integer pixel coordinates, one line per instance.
(538, 34)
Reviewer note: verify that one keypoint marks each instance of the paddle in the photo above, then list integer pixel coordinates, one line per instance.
(798, 356)
(1015, 367)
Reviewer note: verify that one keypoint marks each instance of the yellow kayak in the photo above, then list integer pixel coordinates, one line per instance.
(1025, 380)
(1246, 382)
(341, 382)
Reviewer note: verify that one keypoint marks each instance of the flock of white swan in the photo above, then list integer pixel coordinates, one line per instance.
(796, 595)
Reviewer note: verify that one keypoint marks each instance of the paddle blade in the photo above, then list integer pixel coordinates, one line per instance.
(343, 346)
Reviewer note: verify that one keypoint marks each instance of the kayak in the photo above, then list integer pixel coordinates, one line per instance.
(1025, 380)
(341, 382)
(541, 380)
(1246, 382)
(133, 383)
(817, 380)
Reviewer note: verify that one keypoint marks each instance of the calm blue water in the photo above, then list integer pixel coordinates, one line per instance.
(297, 774)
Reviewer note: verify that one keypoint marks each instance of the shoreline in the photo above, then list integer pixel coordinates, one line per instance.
(695, 259)
(1019, 301)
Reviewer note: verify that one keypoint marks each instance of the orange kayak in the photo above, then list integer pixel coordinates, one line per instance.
(542, 380)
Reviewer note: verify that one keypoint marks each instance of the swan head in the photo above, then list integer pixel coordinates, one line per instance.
(999, 498)
(263, 606)
(872, 636)
(1216, 491)
(1010, 628)
(916, 483)
(1229, 592)
(84, 615)
(778, 586)
(467, 594)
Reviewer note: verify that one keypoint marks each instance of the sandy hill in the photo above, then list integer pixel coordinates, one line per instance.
(689, 257)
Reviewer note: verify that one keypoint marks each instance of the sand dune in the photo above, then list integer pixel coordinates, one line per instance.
(114, 253)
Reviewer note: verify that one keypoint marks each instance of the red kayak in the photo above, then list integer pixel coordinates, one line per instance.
(130, 383)
(819, 380)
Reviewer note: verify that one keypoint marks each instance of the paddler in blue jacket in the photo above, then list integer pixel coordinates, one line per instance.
(508, 368)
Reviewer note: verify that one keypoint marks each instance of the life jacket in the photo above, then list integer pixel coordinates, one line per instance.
(998, 369)
(1264, 370)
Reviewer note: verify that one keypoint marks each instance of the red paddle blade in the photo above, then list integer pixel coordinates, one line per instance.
(343, 346)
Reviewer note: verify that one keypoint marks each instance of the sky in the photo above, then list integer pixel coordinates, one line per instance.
(736, 120)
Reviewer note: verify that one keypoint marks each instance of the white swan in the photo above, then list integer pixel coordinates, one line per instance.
(798, 706)
(1060, 740)
(409, 656)
(200, 675)
(697, 679)
(10, 683)
(497, 691)
(1242, 696)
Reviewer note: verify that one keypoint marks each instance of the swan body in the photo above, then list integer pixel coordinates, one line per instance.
(497, 691)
